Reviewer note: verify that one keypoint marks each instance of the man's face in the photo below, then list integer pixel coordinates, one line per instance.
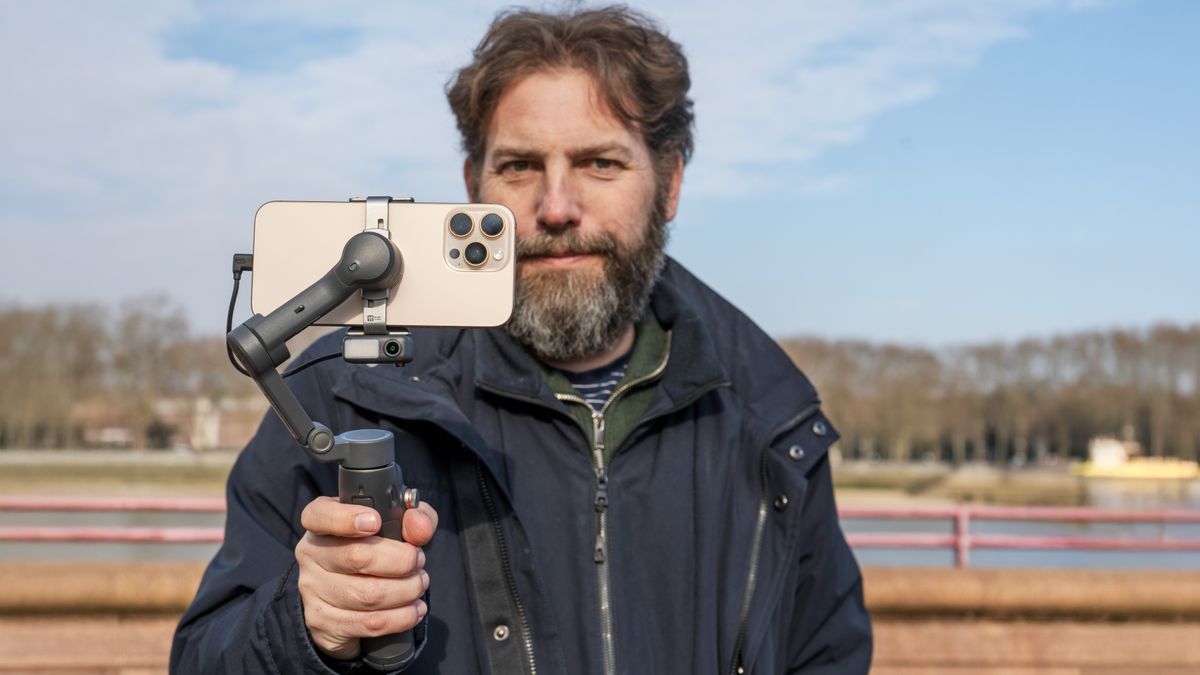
(591, 215)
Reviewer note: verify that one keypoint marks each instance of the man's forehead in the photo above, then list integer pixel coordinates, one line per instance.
(559, 109)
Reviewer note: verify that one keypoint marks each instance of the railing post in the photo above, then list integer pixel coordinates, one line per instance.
(962, 536)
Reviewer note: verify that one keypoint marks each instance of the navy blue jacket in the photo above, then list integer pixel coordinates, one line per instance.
(724, 553)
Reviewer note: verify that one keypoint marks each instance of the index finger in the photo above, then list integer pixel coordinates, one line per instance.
(326, 515)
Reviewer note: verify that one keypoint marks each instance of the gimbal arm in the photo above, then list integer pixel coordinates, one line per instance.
(369, 262)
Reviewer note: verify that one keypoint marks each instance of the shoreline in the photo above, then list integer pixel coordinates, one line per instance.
(117, 473)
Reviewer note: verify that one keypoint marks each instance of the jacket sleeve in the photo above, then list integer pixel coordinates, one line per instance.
(247, 615)
(830, 625)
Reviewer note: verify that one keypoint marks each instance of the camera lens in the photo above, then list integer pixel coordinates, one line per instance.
(460, 225)
(391, 347)
(492, 225)
(476, 253)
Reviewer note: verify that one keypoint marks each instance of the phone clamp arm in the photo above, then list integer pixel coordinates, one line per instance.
(368, 261)
(376, 342)
(375, 299)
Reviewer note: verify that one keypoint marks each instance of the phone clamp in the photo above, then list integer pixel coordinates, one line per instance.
(375, 299)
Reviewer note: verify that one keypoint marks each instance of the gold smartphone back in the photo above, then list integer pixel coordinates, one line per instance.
(443, 284)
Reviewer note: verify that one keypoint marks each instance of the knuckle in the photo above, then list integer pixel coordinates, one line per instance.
(357, 558)
(370, 594)
(316, 617)
(375, 623)
(304, 546)
(304, 583)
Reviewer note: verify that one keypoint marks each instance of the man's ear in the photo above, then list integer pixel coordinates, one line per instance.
(469, 179)
(672, 203)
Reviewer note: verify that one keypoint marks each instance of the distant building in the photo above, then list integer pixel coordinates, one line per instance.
(197, 423)
(1106, 452)
(205, 424)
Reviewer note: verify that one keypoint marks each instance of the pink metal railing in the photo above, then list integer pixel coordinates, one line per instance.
(960, 540)
(174, 535)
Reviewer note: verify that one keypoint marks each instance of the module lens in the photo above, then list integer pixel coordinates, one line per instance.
(492, 225)
(476, 254)
(460, 225)
(391, 348)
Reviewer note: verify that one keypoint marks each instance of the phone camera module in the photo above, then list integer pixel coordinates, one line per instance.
(476, 254)
(492, 225)
(460, 225)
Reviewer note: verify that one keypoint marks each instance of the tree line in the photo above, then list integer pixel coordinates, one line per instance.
(1031, 400)
(64, 367)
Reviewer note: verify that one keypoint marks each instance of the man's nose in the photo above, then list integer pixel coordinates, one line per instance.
(559, 207)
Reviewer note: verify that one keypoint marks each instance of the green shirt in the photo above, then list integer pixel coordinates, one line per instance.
(624, 409)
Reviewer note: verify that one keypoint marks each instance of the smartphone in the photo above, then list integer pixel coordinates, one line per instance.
(459, 259)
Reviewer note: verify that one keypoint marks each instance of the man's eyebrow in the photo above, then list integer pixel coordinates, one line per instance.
(618, 149)
(509, 152)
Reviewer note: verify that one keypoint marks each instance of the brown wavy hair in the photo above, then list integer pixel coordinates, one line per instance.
(641, 73)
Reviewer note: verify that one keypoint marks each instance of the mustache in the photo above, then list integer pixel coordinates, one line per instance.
(568, 243)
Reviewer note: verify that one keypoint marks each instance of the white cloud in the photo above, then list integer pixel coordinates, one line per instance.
(146, 170)
(778, 83)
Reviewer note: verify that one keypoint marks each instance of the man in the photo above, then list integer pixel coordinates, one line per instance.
(629, 477)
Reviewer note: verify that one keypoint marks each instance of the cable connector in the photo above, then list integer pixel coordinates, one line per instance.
(242, 262)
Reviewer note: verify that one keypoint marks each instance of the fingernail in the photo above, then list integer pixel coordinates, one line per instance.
(366, 522)
(425, 579)
(422, 608)
(420, 558)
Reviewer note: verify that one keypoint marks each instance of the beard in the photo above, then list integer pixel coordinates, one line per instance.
(563, 315)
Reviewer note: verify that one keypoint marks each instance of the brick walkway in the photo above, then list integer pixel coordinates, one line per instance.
(140, 645)
(102, 645)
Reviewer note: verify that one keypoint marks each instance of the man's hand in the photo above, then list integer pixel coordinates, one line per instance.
(355, 585)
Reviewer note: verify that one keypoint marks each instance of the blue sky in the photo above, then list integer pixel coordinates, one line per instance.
(929, 172)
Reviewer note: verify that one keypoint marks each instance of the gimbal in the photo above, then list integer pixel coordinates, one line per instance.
(367, 471)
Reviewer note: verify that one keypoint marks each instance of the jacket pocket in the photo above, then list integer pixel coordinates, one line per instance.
(787, 461)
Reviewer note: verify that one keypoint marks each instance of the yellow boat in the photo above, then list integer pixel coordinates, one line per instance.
(1140, 467)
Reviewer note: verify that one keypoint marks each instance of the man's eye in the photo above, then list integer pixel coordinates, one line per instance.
(515, 166)
(603, 164)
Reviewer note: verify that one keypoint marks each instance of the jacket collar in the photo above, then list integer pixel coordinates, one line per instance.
(427, 396)
(505, 367)
(694, 366)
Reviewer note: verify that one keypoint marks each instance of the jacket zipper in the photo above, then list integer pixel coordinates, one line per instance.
(600, 503)
(494, 517)
(737, 668)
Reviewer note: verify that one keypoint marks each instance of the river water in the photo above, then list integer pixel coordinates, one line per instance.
(1114, 495)
(1111, 495)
